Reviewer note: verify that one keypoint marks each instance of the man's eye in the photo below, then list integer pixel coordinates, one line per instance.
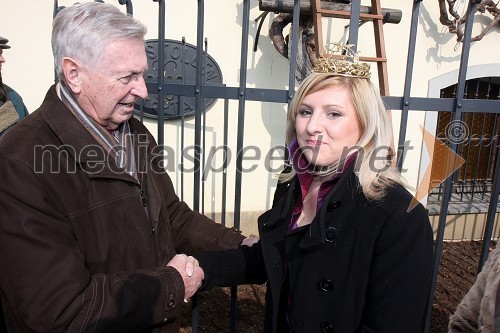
(131, 77)
(125, 79)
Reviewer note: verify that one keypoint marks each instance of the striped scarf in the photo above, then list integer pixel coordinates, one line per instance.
(120, 147)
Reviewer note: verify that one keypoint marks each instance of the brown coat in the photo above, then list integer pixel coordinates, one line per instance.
(78, 252)
(476, 311)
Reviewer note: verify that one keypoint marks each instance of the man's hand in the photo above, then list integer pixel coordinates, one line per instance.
(191, 273)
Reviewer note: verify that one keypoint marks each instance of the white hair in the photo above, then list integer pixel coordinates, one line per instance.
(82, 31)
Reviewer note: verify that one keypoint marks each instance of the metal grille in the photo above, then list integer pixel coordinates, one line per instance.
(472, 183)
(474, 102)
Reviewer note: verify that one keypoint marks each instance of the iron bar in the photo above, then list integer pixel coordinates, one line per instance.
(282, 96)
(239, 144)
(128, 3)
(492, 147)
(197, 127)
(225, 162)
(204, 128)
(495, 191)
(161, 76)
(183, 115)
(292, 57)
(354, 24)
(479, 145)
(462, 74)
(241, 111)
(405, 105)
(198, 105)
(490, 219)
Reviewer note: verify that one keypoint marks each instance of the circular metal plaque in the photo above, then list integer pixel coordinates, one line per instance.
(179, 66)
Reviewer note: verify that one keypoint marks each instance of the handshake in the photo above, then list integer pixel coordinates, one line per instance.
(191, 272)
(192, 275)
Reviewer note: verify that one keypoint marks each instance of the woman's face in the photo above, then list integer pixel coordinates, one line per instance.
(327, 125)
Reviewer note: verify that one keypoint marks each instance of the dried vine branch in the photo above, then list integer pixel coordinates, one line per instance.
(456, 24)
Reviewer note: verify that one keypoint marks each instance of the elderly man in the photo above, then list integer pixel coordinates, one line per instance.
(90, 224)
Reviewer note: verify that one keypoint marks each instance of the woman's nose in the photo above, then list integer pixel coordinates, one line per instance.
(314, 125)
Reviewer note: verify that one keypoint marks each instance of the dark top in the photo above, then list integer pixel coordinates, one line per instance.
(360, 266)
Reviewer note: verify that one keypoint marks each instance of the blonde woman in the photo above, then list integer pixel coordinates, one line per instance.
(340, 249)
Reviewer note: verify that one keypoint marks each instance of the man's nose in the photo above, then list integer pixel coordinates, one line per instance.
(139, 88)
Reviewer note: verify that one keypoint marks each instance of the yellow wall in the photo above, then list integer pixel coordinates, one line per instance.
(29, 70)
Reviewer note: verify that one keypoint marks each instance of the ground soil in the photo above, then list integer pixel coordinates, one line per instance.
(457, 273)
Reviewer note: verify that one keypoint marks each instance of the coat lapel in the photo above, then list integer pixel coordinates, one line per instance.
(341, 191)
(142, 147)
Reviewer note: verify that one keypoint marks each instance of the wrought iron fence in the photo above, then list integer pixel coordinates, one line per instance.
(472, 183)
(456, 105)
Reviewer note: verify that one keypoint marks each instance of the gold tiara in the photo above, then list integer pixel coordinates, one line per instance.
(341, 60)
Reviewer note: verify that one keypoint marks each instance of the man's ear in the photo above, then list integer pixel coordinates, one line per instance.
(72, 71)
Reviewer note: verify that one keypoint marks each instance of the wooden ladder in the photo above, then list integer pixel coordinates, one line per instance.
(377, 18)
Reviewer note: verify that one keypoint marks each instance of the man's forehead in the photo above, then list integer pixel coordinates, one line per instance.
(123, 65)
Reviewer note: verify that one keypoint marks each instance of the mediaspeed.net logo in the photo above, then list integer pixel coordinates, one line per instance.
(457, 132)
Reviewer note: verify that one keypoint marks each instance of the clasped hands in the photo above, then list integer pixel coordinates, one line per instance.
(191, 272)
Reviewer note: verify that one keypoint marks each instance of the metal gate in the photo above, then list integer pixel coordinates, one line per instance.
(199, 91)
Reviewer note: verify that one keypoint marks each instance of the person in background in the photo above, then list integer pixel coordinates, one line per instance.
(479, 310)
(12, 108)
(342, 248)
(93, 237)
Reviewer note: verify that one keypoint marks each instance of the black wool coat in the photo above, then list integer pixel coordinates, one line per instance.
(360, 266)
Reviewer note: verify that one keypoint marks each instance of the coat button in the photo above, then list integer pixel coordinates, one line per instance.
(331, 234)
(333, 205)
(170, 304)
(326, 327)
(326, 285)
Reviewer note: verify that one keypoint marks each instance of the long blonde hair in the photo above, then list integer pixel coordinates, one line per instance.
(374, 149)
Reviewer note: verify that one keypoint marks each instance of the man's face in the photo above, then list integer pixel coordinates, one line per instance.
(109, 91)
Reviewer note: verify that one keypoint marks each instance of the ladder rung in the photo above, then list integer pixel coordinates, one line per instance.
(367, 59)
(341, 14)
(373, 59)
(378, 20)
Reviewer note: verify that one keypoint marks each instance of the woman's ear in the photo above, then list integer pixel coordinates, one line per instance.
(72, 74)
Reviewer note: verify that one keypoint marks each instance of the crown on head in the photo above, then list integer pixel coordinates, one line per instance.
(341, 60)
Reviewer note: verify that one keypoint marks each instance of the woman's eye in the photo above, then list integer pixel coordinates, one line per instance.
(305, 112)
(333, 114)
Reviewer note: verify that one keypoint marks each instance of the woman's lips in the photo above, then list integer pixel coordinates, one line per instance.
(314, 143)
